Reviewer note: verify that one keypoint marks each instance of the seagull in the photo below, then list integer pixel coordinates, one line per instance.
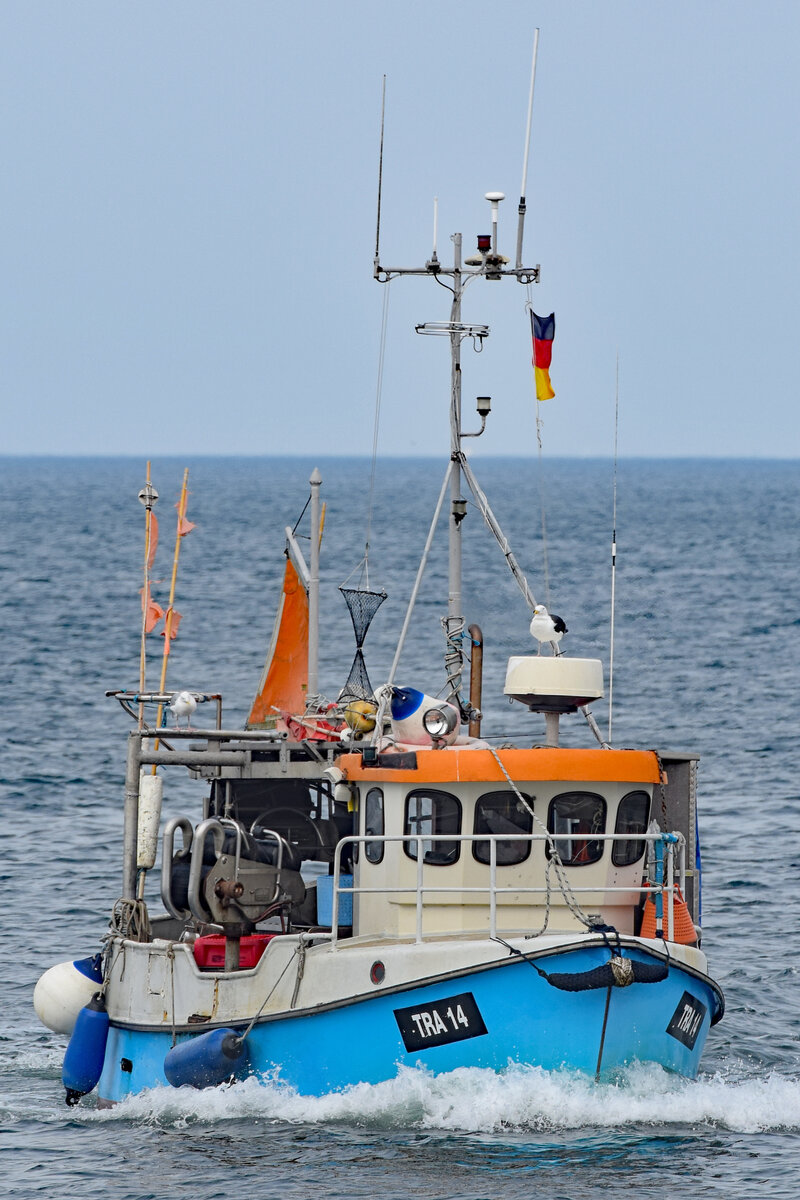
(183, 705)
(547, 628)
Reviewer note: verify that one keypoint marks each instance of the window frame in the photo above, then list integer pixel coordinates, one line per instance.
(409, 848)
(523, 847)
(374, 847)
(640, 848)
(575, 834)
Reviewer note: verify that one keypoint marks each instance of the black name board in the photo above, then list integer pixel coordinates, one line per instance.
(450, 1020)
(687, 1019)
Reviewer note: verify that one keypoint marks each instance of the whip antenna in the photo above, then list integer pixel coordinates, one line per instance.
(380, 178)
(523, 188)
(613, 560)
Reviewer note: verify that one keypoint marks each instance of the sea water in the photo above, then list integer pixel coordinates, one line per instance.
(706, 658)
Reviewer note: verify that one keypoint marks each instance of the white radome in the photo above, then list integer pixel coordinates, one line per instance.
(183, 705)
(546, 627)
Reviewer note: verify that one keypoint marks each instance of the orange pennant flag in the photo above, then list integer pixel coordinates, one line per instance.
(184, 526)
(151, 553)
(174, 619)
(152, 610)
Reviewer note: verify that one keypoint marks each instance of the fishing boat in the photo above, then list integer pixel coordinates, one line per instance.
(371, 883)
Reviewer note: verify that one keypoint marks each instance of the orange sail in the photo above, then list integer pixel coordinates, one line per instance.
(285, 677)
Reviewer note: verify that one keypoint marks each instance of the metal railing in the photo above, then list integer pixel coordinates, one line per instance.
(672, 843)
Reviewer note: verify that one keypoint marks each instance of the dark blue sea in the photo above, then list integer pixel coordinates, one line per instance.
(707, 658)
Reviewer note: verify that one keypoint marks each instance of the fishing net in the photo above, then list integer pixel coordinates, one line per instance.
(362, 604)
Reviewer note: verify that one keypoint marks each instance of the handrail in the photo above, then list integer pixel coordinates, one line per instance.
(167, 854)
(672, 842)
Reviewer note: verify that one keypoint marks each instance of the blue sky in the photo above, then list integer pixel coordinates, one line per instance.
(188, 199)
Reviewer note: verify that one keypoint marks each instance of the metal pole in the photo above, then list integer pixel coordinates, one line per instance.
(420, 853)
(131, 819)
(313, 589)
(524, 186)
(613, 564)
(418, 581)
(475, 679)
(454, 656)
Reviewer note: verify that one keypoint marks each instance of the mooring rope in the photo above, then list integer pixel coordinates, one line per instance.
(554, 860)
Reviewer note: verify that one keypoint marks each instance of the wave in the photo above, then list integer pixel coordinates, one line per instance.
(471, 1100)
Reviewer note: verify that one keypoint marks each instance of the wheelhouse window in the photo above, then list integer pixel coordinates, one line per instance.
(431, 812)
(502, 812)
(572, 819)
(374, 824)
(633, 815)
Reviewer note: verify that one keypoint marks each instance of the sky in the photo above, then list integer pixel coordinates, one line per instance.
(188, 198)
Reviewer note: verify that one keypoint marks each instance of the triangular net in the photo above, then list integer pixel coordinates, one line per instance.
(362, 604)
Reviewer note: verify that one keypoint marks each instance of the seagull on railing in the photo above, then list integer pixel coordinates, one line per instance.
(183, 705)
(547, 627)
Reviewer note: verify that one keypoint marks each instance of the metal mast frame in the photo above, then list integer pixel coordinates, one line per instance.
(489, 265)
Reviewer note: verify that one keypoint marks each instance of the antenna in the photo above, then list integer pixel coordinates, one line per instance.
(613, 561)
(380, 178)
(523, 188)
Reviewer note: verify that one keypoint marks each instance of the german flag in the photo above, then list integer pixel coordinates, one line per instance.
(543, 330)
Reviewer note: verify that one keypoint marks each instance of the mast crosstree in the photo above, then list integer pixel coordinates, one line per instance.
(490, 264)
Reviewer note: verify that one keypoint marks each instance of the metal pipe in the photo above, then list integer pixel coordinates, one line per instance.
(493, 886)
(198, 758)
(212, 825)
(492, 522)
(420, 863)
(218, 735)
(313, 590)
(475, 679)
(167, 852)
(417, 582)
(454, 658)
(131, 817)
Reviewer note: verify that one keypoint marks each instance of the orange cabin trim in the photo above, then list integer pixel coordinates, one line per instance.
(460, 765)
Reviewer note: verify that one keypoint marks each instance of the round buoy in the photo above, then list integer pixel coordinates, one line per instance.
(360, 715)
(64, 989)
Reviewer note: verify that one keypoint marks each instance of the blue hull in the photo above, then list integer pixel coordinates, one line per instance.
(489, 1018)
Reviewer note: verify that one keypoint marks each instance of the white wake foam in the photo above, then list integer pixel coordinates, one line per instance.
(473, 1100)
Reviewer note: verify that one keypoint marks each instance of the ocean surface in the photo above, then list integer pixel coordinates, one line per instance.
(707, 657)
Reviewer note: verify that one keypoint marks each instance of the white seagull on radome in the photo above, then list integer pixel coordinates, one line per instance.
(547, 627)
(183, 705)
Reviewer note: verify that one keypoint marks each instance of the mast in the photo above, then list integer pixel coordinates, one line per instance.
(487, 262)
(454, 625)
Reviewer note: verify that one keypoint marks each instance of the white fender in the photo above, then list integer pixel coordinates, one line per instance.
(62, 992)
(151, 791)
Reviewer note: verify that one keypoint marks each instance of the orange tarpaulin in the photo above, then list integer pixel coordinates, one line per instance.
(285, 677)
